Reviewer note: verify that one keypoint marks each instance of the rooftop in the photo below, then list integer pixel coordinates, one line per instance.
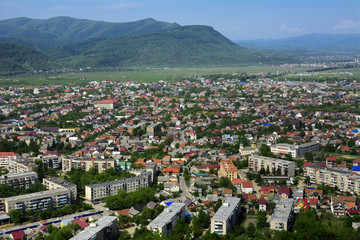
(167, 215)
(227, 208)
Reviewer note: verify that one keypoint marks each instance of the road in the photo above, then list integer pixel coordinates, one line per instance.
(183, 188)
(36, 224)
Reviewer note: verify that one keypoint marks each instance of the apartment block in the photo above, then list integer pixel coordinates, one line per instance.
(5, 157)
(152, 168)
(18, 166)
(103, 229)
(98, 192)
(22, 180)
(38, 201)
(52, 161)
(57, 183)
(283, 216)
(256, 163)
(308, 147)
(85, 164)
(284, 148)
(345, 180)
(294, 150)
(166, 221)
(228, 169)
(153, 128)
(226, 216)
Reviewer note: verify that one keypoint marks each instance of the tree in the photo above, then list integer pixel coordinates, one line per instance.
(202, 220)
(261, 220)
(309, 156)
(250, 231)
(17, 216)
(307, 180)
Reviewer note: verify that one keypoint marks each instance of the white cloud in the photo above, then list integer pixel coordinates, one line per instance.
(123, 5)
(345, 25)
(285, 28)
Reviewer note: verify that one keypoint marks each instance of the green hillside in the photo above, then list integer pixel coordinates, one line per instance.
(184, 46)
(18, 59)
(79, 43)
(58, 31)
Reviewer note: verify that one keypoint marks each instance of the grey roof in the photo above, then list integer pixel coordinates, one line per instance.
(227, 208)
(4, 217)
(283, 210)
(166, 216)
(90, 231)
(60, 182)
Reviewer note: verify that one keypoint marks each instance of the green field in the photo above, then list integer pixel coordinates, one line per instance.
(140, 75)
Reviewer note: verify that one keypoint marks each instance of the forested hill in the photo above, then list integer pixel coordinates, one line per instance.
(77, 43)
(43, 34)
(182, 46)
(18, 59)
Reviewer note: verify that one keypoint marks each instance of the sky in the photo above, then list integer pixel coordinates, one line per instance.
(236, 19)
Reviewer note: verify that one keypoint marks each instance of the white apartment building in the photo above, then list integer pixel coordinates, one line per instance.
(22, 180)
(5, 157)
(256, 163)
(294, 150)
(57, 183)
(282, 217)
(85, 164)
(39, 200)
(99, 191)
(226, 216)
(103, 229)
(166, 221)
(345, 180)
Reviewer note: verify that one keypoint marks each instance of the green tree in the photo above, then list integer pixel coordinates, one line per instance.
(202, 220)
(309, 156)
(261, 220)
(17, 216)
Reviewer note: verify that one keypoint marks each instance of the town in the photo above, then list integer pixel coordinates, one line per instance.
(226, 156)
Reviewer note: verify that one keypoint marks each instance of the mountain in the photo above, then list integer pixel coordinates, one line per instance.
(85, 43)
(19, 59)
(44, 34)
(329, 42)
(183, 46)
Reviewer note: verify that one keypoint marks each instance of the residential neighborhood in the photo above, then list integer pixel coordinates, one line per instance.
(232, 155)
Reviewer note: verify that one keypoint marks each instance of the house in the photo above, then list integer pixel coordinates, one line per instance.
(80, 222)
(314, 202)
(284, 192)
(302, 203)
(331, 162)
(266, 191)
(136, 210)
(152, 205)
(171, 171)
(340, 203)
(313, 192)
(247, 187)
(18, 235)
(43, 228)
(262, 204)
(227, 192)
(171, 187)
(249, 198)
(237, 183)
(189, 204)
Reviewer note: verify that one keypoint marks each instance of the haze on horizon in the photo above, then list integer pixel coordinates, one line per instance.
(236, 19)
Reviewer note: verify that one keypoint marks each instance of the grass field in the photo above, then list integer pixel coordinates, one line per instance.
(140, 75)
(344, 156)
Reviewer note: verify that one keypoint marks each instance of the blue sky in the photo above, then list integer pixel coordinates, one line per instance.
(236, 19)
